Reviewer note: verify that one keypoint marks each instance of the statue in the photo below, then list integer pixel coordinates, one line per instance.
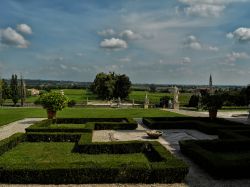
(119, 102)
(146, 102)
(170, 104)
(176, 98)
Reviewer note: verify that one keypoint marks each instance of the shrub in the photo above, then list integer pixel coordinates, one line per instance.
(52, 137)
(71, 103)
(222, 159)
(10, 142)
(52, 102)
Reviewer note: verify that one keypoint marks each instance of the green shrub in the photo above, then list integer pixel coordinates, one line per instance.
(10, 142)
(222, 159)
(71, 103)
(52, 137)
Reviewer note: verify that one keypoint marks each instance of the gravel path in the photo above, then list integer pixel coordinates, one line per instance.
(17, 126)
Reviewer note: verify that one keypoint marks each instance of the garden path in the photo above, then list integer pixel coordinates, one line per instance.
(17, 126)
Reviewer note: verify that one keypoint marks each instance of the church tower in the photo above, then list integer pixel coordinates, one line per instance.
(210, 84)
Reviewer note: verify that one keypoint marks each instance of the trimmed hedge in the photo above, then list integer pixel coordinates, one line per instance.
(234, 134)
(12, 141)
(220, 158)
(52, 137)
(202, 124)
(90, 124)
(162, 168)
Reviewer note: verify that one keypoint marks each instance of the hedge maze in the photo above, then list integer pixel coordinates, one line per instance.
(226, 157)
(62, 152)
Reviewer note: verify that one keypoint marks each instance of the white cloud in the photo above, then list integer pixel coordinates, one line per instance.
(204, 10)
(207, 8)
(10, 37)
(24, 28)
(76, 69)
(113, 43)
(213, 48)
(192, 42)
(106, 32)
(186, 60)
(63, 66)
(234, 56)
(126, 59)
(241, 34)
(130, 35)
(80, 54)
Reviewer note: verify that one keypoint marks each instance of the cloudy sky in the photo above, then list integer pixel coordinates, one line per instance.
(166, 42)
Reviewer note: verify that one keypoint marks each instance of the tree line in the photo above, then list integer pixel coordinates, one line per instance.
(15, 90)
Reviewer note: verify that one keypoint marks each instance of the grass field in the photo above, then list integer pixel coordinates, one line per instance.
(36, 154)
(81, 95)
(13, 114)
(154, 98)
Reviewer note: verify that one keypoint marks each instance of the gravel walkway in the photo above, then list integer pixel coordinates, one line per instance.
(17, 126)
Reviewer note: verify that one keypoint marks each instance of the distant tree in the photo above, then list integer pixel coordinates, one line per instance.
(194, 101)
(122, 86)
(14, 89)
(1, 92)
(22, 91)
(152, 88)
(5, 90)
(110, 85)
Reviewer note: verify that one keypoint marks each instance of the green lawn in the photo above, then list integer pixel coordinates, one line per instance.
(13, 114)
(154, 98)
(37, 154)
(81, 95)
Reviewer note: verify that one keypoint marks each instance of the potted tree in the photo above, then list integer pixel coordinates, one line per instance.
(212, 103)
(53, 102)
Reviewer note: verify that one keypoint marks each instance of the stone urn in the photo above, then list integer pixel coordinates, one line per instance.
(154, 134)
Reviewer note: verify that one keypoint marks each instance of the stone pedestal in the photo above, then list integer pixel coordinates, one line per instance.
(176, 106)
(145, 106)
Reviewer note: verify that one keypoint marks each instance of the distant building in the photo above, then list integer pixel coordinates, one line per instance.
(211, 89)
(34, 92)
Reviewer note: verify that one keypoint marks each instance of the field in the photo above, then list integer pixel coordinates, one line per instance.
(12, 114)
(81, 95)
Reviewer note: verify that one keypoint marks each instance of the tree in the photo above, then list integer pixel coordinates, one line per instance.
(122, 86)
(212, 103)
(1, 92)
(53, 102)
(14, 89)
(194, 101)
(110, 85)
(22, 91)
(5, 91)
(152, 88)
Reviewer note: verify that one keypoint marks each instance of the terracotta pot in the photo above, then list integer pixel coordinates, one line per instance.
(51, 114)
(212, 114)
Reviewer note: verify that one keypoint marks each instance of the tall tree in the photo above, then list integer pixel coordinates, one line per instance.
(110, 85)
(5, 90)
(14, 89)
(22, 91)
(1, 92)
(122, 86)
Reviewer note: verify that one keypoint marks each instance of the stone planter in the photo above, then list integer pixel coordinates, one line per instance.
(212, 114)
(51, 114)
(154, 134)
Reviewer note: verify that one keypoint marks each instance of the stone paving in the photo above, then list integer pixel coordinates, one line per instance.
(17, 126)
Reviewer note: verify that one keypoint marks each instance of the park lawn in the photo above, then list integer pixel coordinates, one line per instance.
(154, 98)
(9, 115)
(29, 154)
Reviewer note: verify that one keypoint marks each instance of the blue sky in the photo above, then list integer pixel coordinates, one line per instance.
(166, 42)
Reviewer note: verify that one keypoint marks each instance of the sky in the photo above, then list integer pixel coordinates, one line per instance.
(162, 42)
